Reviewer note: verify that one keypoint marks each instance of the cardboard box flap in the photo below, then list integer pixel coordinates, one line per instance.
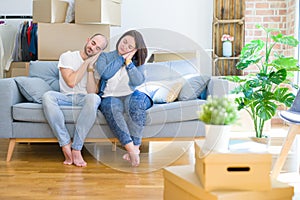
(238, 158)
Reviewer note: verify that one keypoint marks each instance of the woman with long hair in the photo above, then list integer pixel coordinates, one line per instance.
(123, 107)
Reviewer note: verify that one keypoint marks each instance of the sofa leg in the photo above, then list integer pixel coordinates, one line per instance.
(11, 147)
(114, 145)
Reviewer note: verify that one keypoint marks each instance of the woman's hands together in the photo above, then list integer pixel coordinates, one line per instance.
(128, 56)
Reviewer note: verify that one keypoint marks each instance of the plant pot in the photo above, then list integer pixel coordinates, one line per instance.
(217, 138)
(263, 143)
(227, 49)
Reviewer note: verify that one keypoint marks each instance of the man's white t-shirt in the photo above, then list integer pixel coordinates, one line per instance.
(72, 60)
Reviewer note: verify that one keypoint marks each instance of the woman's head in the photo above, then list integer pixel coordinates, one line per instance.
(130, 41)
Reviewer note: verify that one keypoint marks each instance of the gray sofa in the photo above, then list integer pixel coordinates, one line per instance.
(22, 118)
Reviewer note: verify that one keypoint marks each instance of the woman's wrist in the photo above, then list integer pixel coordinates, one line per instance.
(127, 62)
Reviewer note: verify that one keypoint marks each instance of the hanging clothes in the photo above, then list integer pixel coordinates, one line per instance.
(24, 43)
(33, 42)
(7, 43)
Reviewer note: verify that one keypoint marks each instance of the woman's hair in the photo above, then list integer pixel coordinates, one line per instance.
(141, 53)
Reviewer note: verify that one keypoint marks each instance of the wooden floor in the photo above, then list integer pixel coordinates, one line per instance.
(36, 172)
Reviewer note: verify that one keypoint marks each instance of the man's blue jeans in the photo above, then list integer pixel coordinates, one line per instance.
(126, 116)
(52, 101)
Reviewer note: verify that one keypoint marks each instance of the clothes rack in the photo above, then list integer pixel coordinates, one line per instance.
(15, 17)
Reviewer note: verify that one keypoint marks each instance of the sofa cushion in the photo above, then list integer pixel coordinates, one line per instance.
(182, 67)
(162, 91)
(46, 70)
(168, 92)
(33, 112)
(159, 72)
(158, 114)
(177, 111)
(194, 85)
(32, 88)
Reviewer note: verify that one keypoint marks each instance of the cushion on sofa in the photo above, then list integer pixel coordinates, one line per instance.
(168, 92)
(162, 91)
(46, 70)
(193, 87)
(32, 88)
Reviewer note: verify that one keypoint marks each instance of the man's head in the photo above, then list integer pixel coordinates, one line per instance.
(95, 44)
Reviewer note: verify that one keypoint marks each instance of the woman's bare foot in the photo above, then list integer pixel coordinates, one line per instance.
(136, 150)
(68, 154)
(134, 158)
(78, 159)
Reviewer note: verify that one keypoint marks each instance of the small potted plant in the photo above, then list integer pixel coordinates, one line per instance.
(218, 114)
(262, 92)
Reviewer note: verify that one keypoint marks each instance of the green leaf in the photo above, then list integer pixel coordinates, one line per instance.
(252, 83)
(250, 54)
(285, 39)
(289, 63)
(236, 79)
(278, 77)
(265, 109)
(283, 95)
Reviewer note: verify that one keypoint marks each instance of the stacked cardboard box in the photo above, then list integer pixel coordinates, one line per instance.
(55, 36)
(226, 176)
(17, 69)
(181, 182)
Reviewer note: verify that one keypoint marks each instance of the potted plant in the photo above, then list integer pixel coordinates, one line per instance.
(218, 114)
(262, 92)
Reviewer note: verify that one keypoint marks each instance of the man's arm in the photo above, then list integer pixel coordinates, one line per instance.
(72, 77)
(92, 81)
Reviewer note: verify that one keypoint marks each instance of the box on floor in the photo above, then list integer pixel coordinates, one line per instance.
(238, 170)
(181, 182)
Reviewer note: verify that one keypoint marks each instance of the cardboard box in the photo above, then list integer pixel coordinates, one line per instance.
(49, 11)
(98, 12)
(56, 38)
(17, 69)
(181, 182)
(238, 170)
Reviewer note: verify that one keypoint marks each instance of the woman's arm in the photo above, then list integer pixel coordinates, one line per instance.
(107, 65)
(136, 75)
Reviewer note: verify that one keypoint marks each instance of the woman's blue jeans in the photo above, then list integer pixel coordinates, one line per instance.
(126, 116)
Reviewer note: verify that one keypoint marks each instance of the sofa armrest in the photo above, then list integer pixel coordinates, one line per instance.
(10, 95)
(220, 87)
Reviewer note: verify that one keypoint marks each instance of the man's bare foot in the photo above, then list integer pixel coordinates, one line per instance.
(77, 159)
(68, 154)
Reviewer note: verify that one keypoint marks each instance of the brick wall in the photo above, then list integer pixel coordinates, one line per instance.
(273, 14)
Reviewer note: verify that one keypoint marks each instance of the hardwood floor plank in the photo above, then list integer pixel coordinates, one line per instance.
(36, 172)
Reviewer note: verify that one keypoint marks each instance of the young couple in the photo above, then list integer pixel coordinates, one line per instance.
(95, 79)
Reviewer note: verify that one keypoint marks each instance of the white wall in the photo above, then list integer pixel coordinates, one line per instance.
(192, 18)
(15, 7)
